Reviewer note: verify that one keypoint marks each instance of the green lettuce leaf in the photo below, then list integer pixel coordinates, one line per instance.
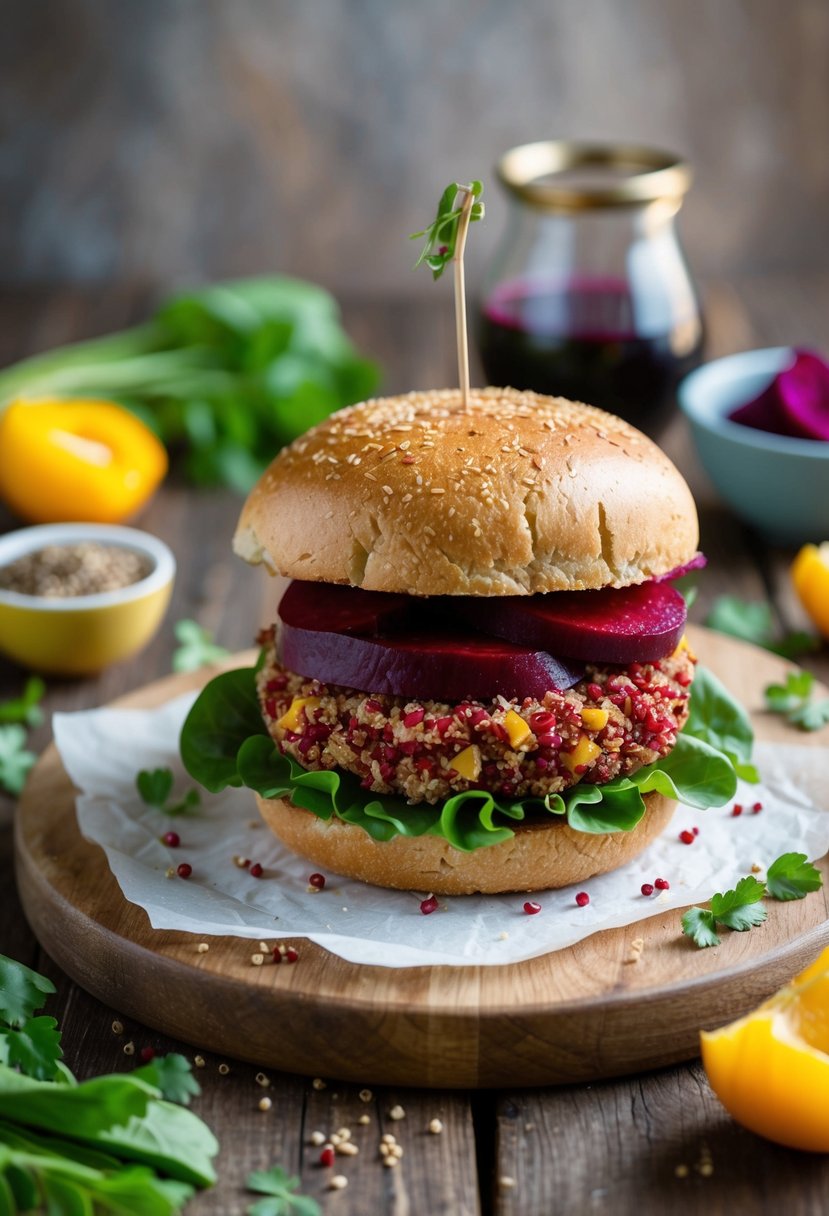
(224, 743)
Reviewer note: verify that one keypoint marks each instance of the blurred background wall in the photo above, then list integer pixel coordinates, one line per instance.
(166, 141)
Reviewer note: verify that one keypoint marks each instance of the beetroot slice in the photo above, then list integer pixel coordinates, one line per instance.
(696, 563)
(803, 391)
(336, 609)
(625, 625)
(437, 666)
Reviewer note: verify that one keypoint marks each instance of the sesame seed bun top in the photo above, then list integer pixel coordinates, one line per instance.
(515, 494)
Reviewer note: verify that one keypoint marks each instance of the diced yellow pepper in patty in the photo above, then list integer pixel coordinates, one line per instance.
(467, 764)
(292, 718)
(516, 728)
(595, 719)
(584, 751)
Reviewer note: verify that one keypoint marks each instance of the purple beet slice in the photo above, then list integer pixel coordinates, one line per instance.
(625, 625)
(803, 390)
(697, 562)
(436, 666)
(335, 609)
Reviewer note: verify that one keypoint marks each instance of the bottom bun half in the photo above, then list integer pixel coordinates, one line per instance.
(539, 856)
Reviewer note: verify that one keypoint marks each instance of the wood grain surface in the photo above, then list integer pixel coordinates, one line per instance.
(575, 1015)
(607, 1149)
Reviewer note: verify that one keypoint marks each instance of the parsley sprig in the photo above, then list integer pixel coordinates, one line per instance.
(155, 787)
(753, 621)
(794, 701)
(196, 647)
(17, 715)
(442, 234)
(281, 1194)
(790, 876)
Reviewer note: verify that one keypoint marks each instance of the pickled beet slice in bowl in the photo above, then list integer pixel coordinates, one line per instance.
(614, 625)
(437, 666)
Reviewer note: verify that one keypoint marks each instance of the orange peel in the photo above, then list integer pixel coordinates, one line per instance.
(810, 575)
(770, 1069)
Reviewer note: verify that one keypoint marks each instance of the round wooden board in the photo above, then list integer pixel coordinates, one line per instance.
(574, 1015)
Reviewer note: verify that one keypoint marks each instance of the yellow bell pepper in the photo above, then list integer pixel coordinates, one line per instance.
(76, 460)
(810, 575)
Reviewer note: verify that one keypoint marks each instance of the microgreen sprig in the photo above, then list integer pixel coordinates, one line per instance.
(794, 701)
(442, 234)
(196, 647)
(155, 787)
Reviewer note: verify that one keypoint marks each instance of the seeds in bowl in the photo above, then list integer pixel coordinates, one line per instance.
(65, 571)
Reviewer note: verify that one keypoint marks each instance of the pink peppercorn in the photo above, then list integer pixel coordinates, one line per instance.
(661, 884)
(686, 837)
(327, 1156)
(184, 870)
(171, 839)
(531, 907)
(317, 880)
(758, 806)
(291, 955)
(647, 888)
(737, 809)
(146, 1054)
(695, 831)
(582, 899)
(256, 870)
(429, 905)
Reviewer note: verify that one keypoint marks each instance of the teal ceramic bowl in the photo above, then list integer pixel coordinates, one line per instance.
(778, 484)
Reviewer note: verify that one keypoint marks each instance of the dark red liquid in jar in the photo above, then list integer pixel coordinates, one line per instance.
(591, 341)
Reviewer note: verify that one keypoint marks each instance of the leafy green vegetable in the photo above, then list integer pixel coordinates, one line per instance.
(753, 621)
(794, 701)
(171, 1074)
(25, 709)
(718, 719)
(93, 1146)
(282, 1198)
(442, 234)
(155, 786)
(225, 374)
(224, 743)
(196, 647)
(15, 760)
(792, 876)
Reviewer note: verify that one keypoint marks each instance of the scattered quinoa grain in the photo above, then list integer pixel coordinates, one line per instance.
(262, 1080)
(705, 1168)
(318, 1083)
(681, 1171)
(257, 959)
(198, 1061)
(317, 1139)
(756, 867)
(364, 1119)
(339, 1182)
(202, 948)
(390, 1161)
(347, 1149)
(397, 1113)
(224, 1069)
(388, 1138)
(129, 1048)
(365, 1095)
(506, 1182)
(117, 1027)
(435, 1127)
(265, 1104)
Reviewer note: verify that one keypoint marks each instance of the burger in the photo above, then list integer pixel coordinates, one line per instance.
(478, 678)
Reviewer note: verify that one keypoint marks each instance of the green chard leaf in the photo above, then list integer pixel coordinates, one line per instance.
(22, 991)
(196, 647)
(282, 1194)
(792, 876)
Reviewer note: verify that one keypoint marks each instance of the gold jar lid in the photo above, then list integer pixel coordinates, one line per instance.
(555, 175)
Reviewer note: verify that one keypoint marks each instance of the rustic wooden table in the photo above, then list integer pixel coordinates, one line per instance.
(640, 1145)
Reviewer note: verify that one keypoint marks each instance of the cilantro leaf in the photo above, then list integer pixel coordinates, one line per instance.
(281, 1189)
(699, 924)
(34, 1048)
(155, 787)
(173, 1075)
(741, 908)
(442, 234)
(793, 701)
(15, 760)
(196, 647)
(22, 991)
(25, 709)
(753, 621)
(792, 876)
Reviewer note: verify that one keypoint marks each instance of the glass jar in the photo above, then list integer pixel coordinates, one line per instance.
(589, 296)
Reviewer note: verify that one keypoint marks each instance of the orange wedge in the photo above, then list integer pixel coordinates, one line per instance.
(770, 1069)
(810, 575)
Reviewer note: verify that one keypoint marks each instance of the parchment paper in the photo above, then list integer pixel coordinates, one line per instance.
(103, 750)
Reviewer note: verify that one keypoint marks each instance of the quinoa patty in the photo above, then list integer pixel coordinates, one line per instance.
(615, 721)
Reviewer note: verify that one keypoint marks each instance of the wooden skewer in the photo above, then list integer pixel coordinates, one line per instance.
(460, 296)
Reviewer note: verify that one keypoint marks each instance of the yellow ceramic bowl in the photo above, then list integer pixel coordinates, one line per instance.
(82, 634)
